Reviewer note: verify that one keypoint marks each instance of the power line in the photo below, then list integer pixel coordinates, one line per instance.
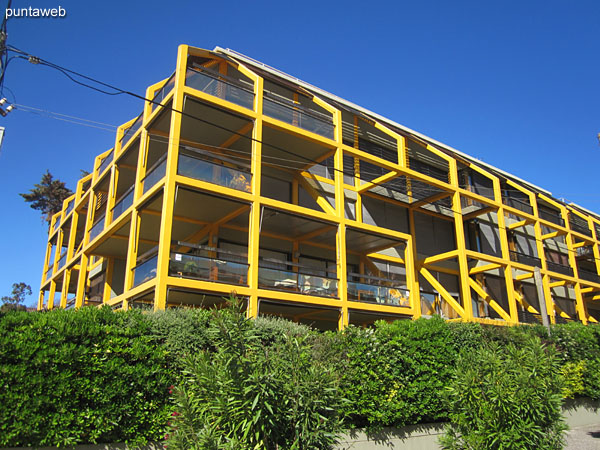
(67, 118)
(119, 91)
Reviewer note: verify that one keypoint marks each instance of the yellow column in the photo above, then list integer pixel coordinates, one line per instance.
(168, 206)
(255, 211)
(508, 275)
(542, 255)
(459, 230)
(580, 306)
(83, 265)
(134, 226)
(411, 259)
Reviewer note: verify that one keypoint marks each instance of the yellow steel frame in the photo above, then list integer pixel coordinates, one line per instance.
(471, 277)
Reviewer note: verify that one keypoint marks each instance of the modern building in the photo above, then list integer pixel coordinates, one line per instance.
(237, 177)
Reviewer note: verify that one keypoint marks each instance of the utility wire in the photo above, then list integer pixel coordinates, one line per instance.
(119, 91)
(66, 117)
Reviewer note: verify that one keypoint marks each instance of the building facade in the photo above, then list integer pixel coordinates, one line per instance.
(239, 178)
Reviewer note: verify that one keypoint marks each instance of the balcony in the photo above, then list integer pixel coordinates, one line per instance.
(293, 113)
(523, 258)
(559, 268)
(433, 304)
(585, 253)
(306, 280)
(218, 85)
(553, 217)
(124, 202)
(49, 272)
(589, 276)
(516, 203)
(97, 228)
(105, 163)
(145, 270)
(579, 227)
(370, 289)
(199, 168)
(62, 261)
(527, 317)
(162, 93)
(56, 224)
(155, 174)
(129, 132)
(70, 207)
(224, 267)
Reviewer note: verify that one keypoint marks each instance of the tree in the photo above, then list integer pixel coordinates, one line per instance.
(17, 297)
(47, 196)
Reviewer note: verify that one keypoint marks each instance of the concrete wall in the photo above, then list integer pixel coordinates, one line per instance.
(577, 413)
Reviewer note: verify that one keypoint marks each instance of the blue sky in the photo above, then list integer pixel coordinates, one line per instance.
(513, 83)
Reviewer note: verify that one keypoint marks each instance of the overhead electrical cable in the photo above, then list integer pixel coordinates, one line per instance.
(118, 91)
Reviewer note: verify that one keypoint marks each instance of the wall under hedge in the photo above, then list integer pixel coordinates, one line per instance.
(98, 376)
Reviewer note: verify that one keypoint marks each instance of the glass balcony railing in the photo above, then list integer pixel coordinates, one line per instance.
(162, 93)
(585, 253)
(221, 86)
(523, 258)
(56, 224)
(300, 116)
(433, 304)
(286, 280)
(129, 132)
(559, 268)
(208, 268)
(516, 203)
(589, 276)
(580, 228)
(70, 207)
(97, 228)
(105, 163)
(123, 203)
(553, 217)
(62, 261)
(156, 173)
(144, 271)
(527, 317)
(369, 289)
(49, 272)
(200, 169)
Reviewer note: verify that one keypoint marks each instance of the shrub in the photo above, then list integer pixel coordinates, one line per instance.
(395, 375)
(86, 376)
(248, 394)
(506, 397)
(181, 332)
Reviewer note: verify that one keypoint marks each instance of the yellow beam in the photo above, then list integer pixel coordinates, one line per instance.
(490, 301)
(442, 291)
(485, 268)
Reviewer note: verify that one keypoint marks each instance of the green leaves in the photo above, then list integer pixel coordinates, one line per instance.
(256, 390)
(87, 376)
(506, 397)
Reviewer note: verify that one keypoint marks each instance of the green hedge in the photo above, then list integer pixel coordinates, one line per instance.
(98, 376)
(87, 376)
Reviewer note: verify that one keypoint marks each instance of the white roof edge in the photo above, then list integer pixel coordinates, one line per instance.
(591, 213)
(331, 96)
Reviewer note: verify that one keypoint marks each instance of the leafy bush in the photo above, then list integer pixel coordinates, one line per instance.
(87, 376)
(255, 396)
(396, 374)
(181, 332)
(506, 397)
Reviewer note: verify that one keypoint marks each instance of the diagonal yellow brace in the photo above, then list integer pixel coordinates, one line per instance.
(485, 268)
(442, 291)
(496, 307)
